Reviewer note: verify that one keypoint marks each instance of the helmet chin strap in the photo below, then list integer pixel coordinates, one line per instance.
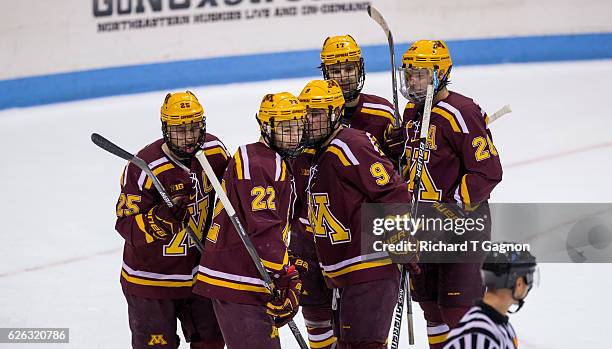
(520, 301)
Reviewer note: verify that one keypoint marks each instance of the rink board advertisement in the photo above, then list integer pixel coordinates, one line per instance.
(104, 47)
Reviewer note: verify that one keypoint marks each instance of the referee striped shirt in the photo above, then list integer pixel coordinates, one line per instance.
(482, 327)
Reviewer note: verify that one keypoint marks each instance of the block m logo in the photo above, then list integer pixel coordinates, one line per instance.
(157, 339)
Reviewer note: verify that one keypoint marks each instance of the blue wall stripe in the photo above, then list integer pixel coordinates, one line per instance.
(54, 88)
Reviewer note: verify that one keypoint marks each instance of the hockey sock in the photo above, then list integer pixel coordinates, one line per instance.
(452, 316)
(319, 327)
(437, 330)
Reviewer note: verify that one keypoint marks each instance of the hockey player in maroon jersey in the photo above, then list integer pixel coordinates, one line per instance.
(349, 169)
(159, 258)
(461, 169)
(259, 184)
(341, 60)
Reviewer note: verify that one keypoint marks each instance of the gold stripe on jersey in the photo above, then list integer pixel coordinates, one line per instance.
(449, 117)
(233, 285)
(356, 267)
(215, 150)
(283, 171)
(339, 153)
(276, 266)
(147, 282)
(310, 151)
(156, 172)
(141, 226)
(465, 194)
(410, 105)
(218, 207)
(379, 112)
(238, 159)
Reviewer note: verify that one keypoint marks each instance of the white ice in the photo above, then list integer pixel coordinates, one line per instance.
(60, 256)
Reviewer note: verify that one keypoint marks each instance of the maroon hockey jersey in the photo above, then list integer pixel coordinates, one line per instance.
(164, 269)
(461, 164)
(300, 225)
(349, 171)
(372, 114)
(259, 184)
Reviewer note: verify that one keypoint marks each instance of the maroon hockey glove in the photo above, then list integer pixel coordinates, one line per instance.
(395, 142)
(162, 221)
(301, 265)
(286, 303)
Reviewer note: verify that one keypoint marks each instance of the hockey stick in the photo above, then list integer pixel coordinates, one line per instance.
(245, 238)
(378, 18)
(112, 148)
(498, 114)
(404, 290)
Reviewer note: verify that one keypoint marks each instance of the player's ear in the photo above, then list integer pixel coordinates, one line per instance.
(520, 285)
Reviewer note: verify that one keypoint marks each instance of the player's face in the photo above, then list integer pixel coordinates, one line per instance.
(185, 136)
(318, 121)
(418, 79)
(289, 134)
(346, 74)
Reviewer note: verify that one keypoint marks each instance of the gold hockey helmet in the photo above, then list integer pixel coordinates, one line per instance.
(282, 120)
(423, 58)
(183, 123)
(430, 54)
(181, 108)
(341, 60)
(340, 49)
(324, 103)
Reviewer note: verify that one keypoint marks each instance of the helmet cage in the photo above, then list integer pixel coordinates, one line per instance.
(279, 141)
(352, 89)
(182, 140)
(417, 96)
(319, 132)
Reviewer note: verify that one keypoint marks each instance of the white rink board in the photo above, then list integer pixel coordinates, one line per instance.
(41, 37)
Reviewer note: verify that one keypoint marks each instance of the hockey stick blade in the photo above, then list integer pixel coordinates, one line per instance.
(378, 18)
(498, 114)
(112, 148)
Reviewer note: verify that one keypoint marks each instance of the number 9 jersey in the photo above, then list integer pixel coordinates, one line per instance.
(349, 171)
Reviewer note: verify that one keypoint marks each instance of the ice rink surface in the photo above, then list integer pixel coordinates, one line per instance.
(60, 256)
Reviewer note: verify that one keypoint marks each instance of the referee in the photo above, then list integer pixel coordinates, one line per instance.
(509, 277)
